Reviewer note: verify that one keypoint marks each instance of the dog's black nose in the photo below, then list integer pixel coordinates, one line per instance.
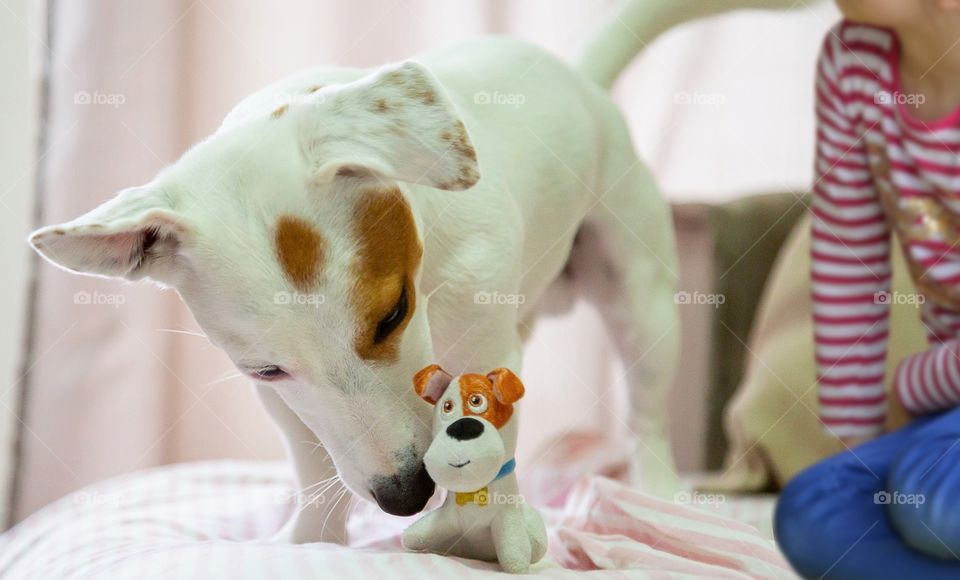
(403, 494)
(465, 429)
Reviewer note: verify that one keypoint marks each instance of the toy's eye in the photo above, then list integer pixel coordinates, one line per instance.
(448, 406)
(477, 403)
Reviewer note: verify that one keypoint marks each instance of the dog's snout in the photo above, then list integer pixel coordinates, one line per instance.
(403, 494)
(465, 429)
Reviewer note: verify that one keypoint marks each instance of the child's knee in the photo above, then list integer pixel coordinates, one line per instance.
(923, 488)
(812, 512)
(793, 525)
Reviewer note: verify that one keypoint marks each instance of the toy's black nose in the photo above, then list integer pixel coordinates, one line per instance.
(405, 493)
(465, 429)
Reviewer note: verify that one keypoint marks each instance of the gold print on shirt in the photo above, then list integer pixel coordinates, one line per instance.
(917, 220)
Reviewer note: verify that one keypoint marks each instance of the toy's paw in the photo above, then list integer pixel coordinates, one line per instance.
(514, 552)
(537, 532)
(414, 541)
(515, 566)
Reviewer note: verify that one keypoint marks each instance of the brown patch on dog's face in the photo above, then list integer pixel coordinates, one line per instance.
(496, 412)
(314, 89)
(387, 259)
(279, 111)
(299, 250)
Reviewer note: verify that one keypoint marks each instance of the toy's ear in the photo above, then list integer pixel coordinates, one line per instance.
(507, 387)
(431, 382)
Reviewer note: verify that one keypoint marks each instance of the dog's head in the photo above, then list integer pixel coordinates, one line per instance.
(290, 236)
(473, 434)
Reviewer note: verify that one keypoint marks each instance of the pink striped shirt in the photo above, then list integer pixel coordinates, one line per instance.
(880, 170)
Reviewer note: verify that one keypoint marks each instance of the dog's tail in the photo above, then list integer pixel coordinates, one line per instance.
(636, 23)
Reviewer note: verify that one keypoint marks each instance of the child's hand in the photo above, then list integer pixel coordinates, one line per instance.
(897, 415)
(851, 442)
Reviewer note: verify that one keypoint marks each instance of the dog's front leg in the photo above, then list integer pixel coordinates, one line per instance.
(318, 518)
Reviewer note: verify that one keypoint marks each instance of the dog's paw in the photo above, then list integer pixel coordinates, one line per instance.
(295, 532)
(282, 536)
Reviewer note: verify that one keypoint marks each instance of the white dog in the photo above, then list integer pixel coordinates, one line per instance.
(323, 237)
(474, 440)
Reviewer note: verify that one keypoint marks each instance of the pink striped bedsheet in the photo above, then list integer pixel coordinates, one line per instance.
(211, 520)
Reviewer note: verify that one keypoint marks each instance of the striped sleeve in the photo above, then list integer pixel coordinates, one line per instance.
(850, 265)
(929, 381)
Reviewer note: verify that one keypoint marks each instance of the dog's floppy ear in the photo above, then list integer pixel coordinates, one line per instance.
(507, 387)
(134, 235)
(397, 123)
(431, 382)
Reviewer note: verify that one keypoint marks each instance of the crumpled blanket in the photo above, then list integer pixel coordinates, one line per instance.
(212, 520)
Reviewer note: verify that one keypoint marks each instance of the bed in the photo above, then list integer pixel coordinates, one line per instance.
(214, 520)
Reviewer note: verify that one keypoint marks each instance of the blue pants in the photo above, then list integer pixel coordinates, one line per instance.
(889, 508)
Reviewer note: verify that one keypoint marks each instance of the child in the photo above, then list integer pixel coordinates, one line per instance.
(888, 162)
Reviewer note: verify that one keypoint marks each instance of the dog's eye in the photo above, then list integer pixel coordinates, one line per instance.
(477, 403)
(268, 373)
(391, 321)
(447, 406)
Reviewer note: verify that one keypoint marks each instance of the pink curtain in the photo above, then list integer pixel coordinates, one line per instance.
(120, 382)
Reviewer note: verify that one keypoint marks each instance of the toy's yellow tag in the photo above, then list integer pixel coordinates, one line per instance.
(481, 497)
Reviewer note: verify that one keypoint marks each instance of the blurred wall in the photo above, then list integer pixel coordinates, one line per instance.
(21, 39)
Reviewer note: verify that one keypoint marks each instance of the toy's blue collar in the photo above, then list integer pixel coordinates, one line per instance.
(506, 469)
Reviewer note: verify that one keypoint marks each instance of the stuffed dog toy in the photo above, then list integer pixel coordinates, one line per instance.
(474, 439)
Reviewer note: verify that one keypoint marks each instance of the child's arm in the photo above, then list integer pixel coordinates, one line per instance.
(850, 271)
